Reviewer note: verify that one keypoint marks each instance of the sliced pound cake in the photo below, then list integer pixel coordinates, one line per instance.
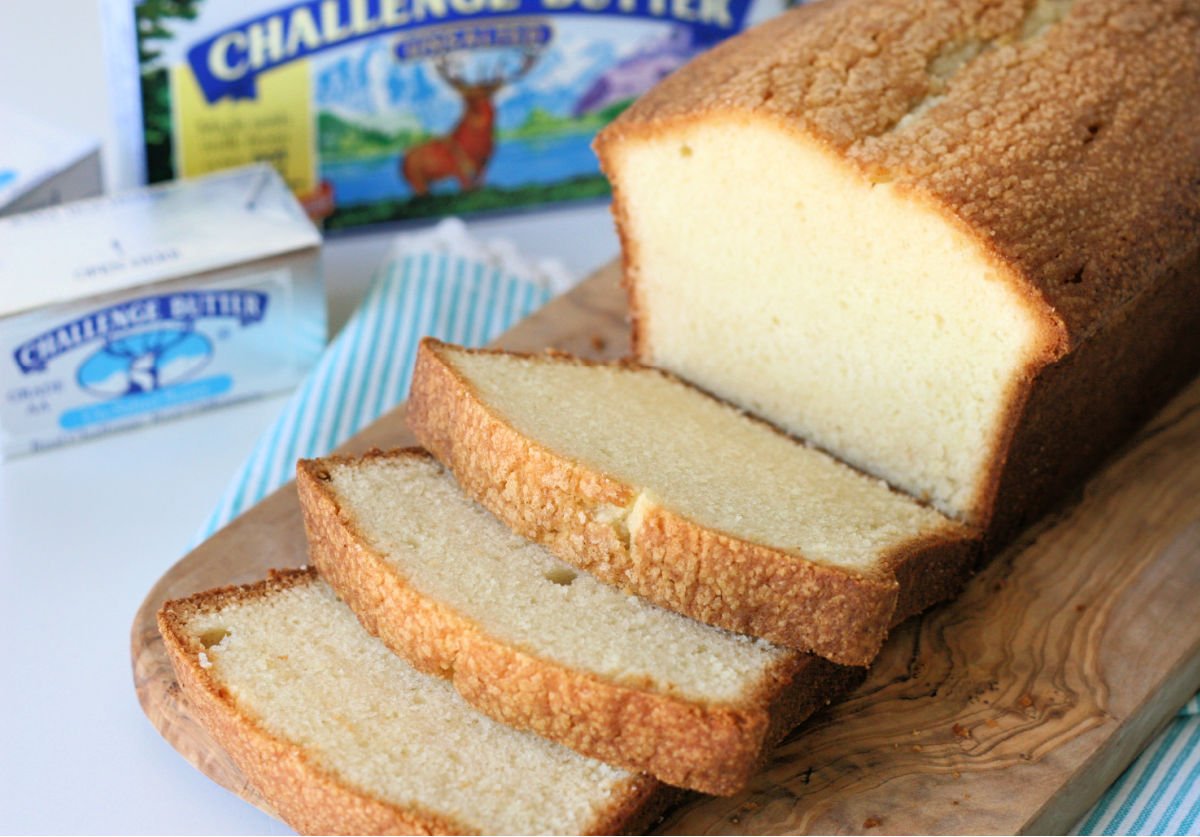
(341, 736)
(956, 244)
(664, 491)
(538, 645)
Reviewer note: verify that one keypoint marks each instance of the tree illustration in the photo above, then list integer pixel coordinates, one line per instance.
(151, 18)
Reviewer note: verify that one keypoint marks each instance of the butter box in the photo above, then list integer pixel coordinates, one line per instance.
(122, 310)
(387, 110)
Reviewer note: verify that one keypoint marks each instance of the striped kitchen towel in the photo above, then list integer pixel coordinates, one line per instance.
(1160, 792)
(441, 282)
(447, 285)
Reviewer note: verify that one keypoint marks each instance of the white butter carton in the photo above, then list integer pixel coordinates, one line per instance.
(118, 311)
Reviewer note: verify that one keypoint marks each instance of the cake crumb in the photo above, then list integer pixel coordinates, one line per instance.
(598, 343)
(960, 731)
(872, 822)
(1025, 701)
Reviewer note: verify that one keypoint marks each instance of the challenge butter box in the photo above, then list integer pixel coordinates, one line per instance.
(380, 110)
(116, 311)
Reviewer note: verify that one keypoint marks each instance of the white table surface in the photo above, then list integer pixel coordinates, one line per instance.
(86, 530)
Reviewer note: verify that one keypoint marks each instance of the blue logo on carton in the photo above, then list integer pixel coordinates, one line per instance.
(144, 353)
(144, 361)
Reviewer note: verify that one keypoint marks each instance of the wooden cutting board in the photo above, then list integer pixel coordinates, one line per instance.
(1009, 710)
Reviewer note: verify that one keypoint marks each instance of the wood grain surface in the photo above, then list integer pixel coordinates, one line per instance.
(1008, 710)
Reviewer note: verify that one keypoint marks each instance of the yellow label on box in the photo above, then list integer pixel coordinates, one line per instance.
(274, 127)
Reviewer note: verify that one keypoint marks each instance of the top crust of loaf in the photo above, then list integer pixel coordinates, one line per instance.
(1061, 136)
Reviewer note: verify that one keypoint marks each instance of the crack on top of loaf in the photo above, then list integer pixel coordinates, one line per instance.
(616, 517)
(953, 57)
(1041, 16)
(626, 520)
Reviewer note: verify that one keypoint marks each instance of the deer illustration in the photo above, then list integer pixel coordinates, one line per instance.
(464, 152)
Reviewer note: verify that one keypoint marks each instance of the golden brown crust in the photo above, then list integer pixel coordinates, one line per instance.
(307, 796)
(931, 570)
(707, 575)
(756, 590)
(1082, 407)
(713, 748)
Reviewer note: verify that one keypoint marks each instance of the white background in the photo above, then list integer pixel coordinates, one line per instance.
(86, 530)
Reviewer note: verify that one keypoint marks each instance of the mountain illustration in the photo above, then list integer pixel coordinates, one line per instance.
(636, 74)
(370, 88)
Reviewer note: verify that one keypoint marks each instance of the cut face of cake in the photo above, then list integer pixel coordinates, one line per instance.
(848, 312)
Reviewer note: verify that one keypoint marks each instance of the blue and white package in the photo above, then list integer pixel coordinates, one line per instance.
(123, 310)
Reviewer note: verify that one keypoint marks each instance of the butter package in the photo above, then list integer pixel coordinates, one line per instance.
(117, 311)
(382, 110)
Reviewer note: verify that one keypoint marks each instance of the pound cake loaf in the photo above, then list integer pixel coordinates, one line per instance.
(540, 646)
(953, 242)
(341, 736)
(655, 487)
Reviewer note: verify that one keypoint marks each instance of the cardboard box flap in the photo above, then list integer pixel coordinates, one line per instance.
(103, 245)
(32, 151)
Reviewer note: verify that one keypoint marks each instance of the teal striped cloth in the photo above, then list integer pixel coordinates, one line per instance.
(1160, 792)
(464, 299)
(367, 368)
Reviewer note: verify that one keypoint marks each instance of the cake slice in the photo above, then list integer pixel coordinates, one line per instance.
(341, 736)
(540, 646)
(664, 491)
(956, 244)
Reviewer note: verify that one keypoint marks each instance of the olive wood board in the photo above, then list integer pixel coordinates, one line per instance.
(1008, 710)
